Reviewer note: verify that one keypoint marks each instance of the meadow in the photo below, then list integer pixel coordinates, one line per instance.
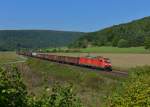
(102, 49)
(9, 57)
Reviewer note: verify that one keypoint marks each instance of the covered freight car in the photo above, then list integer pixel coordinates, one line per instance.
(69, 60)
(64, 59)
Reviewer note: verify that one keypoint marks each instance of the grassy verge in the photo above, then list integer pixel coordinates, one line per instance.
(91, 87)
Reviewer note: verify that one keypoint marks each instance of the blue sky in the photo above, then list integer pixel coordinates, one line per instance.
(70, 15)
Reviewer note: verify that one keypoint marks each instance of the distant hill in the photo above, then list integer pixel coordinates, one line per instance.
(133, 34)
(13, 39)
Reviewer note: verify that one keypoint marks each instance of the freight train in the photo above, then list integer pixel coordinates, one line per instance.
(93, 62)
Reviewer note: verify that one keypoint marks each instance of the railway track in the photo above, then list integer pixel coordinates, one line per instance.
(120, 73)
(116, 73)
(113, 72)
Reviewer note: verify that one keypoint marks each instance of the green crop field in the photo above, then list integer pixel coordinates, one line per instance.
(115, 50)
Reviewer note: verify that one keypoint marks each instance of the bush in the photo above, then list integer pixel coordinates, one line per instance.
(60, 97)
(12, 90)
(123, 43)
(135, 91)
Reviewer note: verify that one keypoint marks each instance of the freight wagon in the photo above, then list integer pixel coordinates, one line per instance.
(94, 62)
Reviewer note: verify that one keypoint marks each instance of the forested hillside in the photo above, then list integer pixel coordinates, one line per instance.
(124, 35)
(13, 39)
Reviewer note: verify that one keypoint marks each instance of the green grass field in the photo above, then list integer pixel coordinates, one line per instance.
(115, 50)
(8, 57)
(102, 49)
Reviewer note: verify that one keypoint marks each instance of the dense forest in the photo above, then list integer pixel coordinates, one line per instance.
(133, 34)
(14, 39)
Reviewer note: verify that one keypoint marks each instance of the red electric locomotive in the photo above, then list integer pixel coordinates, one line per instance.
(98, 62)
